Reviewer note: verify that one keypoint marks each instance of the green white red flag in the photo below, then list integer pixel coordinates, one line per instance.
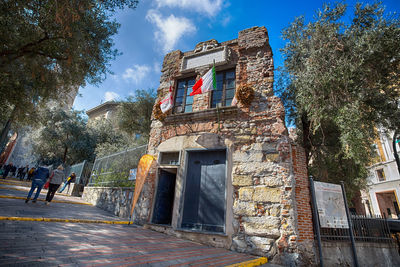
(206, 83)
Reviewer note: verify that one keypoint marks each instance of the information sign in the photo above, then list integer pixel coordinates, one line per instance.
(330, 204)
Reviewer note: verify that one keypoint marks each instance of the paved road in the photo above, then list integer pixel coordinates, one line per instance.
(37, 243)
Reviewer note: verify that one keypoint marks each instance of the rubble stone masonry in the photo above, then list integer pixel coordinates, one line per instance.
(268, 204)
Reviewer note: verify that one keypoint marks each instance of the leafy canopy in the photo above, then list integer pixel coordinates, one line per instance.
(63, 138)
(49, 47)
(134, 114)
(340, 81)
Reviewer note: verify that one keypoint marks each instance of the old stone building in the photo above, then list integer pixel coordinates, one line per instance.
(228, 175)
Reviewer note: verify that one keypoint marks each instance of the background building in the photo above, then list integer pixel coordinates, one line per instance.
(382, 196)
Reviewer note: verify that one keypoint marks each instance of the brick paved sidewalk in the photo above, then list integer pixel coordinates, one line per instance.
(33, 243)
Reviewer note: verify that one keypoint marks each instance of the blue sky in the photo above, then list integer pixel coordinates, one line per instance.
(156, 27)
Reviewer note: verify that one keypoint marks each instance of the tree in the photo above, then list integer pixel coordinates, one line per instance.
(339, 83)
(63, 138)
(134, 114)
(108, 139)
(49, 47)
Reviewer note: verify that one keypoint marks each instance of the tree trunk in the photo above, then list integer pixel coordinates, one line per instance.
(65, 155)
(306, 136)
(396, 155)
(6, 130)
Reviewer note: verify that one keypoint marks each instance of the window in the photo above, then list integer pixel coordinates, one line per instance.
(225, 88)
(223, 94)
(184, 102)
(169, 158)
(381, 175)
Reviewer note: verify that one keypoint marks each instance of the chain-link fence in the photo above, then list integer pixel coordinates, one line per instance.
(113, 170)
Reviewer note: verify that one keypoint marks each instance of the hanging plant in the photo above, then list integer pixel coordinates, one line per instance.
(245, 94)
(158, 114)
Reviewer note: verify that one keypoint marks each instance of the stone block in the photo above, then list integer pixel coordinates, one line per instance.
(262, 226)
(266, 194)
(244, 208)
(261, 243)
(272, 157)
(246, 193)
(272, 180)
(242, 180)
(247, 156)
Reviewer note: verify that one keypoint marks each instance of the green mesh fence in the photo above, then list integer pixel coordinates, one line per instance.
(113, 170)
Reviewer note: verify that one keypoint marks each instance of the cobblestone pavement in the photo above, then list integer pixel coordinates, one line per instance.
(37, 243)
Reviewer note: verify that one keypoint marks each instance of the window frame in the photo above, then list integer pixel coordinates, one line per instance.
(186, 80)
(383, 175)
(224, 83)
(211, 94)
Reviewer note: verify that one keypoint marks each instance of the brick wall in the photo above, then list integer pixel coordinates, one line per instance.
(303, 197)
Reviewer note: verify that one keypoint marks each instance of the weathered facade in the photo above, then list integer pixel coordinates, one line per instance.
(228, 176)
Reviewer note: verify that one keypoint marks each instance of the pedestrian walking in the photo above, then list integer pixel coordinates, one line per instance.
(30, 173)
(7, 169)
(56, 179)
(20, 173)
(40, 177)
(70, 179)
(13, 170)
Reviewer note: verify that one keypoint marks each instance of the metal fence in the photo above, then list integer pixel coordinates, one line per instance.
(365, 229)
(113, 170)
(82, 171)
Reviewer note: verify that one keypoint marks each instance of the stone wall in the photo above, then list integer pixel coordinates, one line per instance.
(267, 212)
(113, 199)
(368, 254)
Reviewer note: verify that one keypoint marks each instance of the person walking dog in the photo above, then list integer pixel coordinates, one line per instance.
(56, 179)
(70, 179)
(40, 177)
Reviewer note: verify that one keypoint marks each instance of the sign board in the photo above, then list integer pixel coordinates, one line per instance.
(204, 58)
(330, 205)
(132, 174)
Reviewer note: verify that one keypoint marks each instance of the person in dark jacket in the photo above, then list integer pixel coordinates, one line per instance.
(7, 169)
(70, 179)
(40, 177)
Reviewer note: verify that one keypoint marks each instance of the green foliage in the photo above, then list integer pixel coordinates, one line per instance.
(109, 139)
(63, 138)
(48, 47)
(134, 114)
(339, 82)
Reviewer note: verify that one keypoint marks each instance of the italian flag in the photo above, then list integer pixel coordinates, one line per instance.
(206, 83)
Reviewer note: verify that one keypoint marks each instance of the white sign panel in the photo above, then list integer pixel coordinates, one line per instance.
(330, 204)
(132, 174)
(205, 58)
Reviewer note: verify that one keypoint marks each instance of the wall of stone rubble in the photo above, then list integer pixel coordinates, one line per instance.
(113, 199)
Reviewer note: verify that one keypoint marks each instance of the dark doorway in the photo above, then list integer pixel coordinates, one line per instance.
(162, 213)
(204, 200)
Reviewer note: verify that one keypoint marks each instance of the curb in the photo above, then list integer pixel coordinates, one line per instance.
(55, 201)
(2, 218)
(251, 263)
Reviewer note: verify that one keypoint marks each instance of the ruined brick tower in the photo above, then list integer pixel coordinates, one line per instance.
(227, 175)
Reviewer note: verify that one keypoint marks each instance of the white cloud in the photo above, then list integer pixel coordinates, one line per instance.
(109, 96)
(225, 21)
(137, 73)
(170, 29)
(157, 67)
(210, 7)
